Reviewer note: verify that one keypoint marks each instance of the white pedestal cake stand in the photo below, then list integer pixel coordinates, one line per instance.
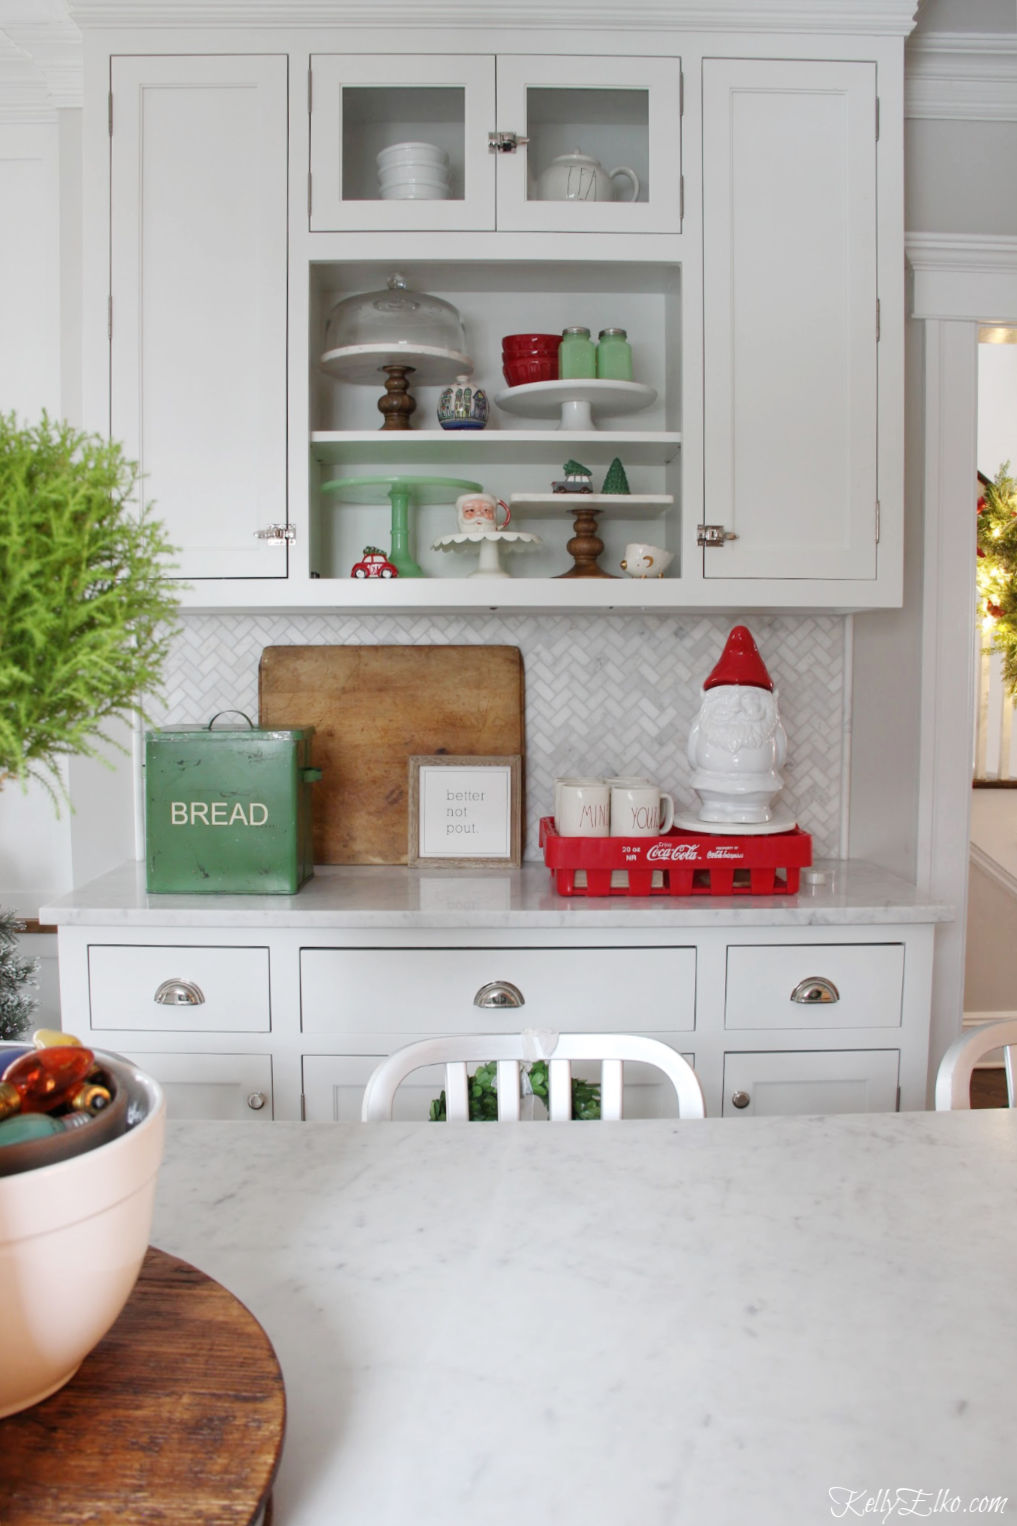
(489, 543)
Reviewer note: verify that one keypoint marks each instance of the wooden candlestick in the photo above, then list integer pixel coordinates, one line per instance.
(585, 547)
(397, 404)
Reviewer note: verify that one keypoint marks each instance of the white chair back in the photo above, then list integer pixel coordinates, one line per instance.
(953, 1079)
(510, 1050)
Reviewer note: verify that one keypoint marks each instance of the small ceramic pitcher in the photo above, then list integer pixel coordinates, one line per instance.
(477, 512)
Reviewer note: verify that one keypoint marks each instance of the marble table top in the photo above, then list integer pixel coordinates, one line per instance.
(727, 1322)
(388, 896)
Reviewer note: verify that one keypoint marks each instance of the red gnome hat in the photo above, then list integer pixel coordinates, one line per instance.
(740, 663)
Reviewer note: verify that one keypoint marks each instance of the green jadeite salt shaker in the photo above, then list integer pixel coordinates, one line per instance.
(614, 355)
(577, 355)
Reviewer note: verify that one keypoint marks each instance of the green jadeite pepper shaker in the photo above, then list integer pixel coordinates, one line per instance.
(577, 355)
(614, 355)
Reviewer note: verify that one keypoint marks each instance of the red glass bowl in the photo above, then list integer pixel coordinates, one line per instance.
(525, 344)
(534, 369)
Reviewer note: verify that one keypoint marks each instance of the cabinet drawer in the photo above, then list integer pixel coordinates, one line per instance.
(777, 986)
(230, 988)
(427, 991)
(813, 1081)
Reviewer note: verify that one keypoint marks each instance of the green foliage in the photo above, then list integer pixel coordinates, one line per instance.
(996, 574)
(85, 616)
(16, 1004)
(483, 1094)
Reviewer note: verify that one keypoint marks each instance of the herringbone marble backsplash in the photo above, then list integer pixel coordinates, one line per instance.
(604, 694)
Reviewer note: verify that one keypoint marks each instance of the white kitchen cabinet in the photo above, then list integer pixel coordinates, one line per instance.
(622, 112)
(352, 968)
(768, 1084)
(198, 316)
(759, 274)
(791, 324)
(226, 1087)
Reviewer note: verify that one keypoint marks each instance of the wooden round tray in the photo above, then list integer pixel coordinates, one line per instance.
(177, 1416)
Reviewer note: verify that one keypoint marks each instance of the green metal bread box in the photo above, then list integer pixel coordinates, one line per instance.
(228, 809)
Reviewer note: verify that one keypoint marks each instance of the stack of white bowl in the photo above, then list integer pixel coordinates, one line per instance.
(413, 172)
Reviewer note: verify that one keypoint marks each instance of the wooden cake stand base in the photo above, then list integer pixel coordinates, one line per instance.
(585, 546)
(177, 1416)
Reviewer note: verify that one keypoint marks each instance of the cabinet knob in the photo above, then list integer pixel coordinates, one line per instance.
(814, 990)
(256, 1101)
(179, 993)
(740, 1099)
(499, 993)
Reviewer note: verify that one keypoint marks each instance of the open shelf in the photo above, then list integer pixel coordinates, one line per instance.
(544, 447)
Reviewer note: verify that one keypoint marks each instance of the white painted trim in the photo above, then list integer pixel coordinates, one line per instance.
(979, 1020)
(959, 273)
(970, 277)
(993, 869)
(40, 70)
(966, 76)
(889, 18)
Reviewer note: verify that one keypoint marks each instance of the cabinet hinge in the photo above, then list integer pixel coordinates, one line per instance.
(303, 1108)
(898, 1099)
(109, 317)
(309, 95)
(877, 521)
(681, 92)
(879, 319)
(308, 194)
(877, 118)
(109, 113)
(681, 199)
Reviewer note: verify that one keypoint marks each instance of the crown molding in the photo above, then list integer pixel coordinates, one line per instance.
(969, 76)
(967, 277)
(40, 70)
(870, 17)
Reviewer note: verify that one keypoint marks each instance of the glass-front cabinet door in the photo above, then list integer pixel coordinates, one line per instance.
(399, 141)
(602, 151)
(570, 144)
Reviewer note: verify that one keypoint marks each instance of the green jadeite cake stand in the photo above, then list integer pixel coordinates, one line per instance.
(400, 491)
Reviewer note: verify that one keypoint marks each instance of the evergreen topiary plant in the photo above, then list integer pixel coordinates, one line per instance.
(86, 617)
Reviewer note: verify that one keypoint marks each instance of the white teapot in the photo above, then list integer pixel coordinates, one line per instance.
(579, 177)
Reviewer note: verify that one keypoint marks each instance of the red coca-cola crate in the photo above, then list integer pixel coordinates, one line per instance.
(676, 863)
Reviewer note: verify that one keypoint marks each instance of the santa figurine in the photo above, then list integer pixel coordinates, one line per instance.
(737, 743)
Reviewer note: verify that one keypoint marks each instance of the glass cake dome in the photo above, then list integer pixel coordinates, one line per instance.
(395, 327)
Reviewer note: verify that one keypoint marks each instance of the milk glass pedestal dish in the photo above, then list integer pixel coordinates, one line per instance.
(576, 402)
(489, 544)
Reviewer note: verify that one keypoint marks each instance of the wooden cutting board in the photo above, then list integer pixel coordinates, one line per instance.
(372, 709)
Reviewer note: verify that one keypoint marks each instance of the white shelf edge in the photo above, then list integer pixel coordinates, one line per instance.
(646, 447)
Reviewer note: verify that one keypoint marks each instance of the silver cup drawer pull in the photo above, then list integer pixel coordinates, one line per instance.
(499, 993)
(814, 991)
(179, 993)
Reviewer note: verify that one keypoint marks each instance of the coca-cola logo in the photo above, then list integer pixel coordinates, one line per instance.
(671, 852)
(726, 850)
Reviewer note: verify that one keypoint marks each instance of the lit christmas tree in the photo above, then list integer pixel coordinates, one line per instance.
(996, 575)
(16, 1004)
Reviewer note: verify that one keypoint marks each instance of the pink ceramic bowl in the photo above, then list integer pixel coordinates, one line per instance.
(540, 368)
(73, 1236)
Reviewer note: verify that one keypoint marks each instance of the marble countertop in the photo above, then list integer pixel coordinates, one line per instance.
(763, 1320)
(364, 897)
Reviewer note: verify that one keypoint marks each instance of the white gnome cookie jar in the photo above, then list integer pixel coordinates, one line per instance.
(737, 744)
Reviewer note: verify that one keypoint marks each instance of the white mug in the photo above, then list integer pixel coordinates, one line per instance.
(479, 511)
(640, 810)
(582, 808)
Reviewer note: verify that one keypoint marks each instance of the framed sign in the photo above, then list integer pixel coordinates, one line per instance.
(465, 811)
